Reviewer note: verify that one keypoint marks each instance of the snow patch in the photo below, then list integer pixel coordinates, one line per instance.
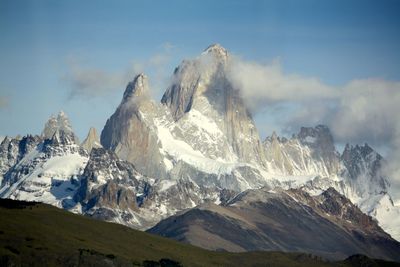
(166, 184)
(64, 166)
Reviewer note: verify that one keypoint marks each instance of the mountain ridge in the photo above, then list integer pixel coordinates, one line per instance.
(198, 145)
(70, 240)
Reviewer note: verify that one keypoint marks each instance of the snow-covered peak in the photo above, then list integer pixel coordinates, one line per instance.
(137, 88)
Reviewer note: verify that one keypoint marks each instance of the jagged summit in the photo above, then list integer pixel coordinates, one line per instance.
(137, 88)
(201, 86)
(60, 123)
(201, 81)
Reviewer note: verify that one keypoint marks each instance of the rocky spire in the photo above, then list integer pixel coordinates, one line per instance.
(139, 87)
(60, 123)
(92, 140)
(202, 76)
(129, 132)
(202, 85)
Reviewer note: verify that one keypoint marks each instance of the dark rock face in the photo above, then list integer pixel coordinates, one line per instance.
(364, 168)
(336, 204)
(109, 182)
(320, 139)
(111, 189)
(327, 225)
(130, 132)
(12, 150)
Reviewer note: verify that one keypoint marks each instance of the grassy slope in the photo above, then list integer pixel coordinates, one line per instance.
(42, 235)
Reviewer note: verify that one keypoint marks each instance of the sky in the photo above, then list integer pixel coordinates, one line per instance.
(77, 56)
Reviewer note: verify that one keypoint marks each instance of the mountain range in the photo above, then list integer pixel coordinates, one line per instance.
(194, 168)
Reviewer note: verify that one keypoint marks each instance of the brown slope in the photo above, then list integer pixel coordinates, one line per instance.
(327, 225)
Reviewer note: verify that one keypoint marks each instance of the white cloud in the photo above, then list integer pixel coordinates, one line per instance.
(360, 111)
(265, 84)
(368, 109)
(90, 82)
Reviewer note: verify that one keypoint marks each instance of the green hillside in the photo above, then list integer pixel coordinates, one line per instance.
(34, 234)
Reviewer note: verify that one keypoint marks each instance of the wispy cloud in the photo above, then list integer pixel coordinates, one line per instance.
(265, 84)
(86, 81)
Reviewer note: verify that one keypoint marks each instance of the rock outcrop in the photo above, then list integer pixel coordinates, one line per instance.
(91, 141)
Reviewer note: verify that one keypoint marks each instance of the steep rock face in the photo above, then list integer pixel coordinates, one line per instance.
(320, 140)
(291, 157)
(202, 131)
(91, 141)
(111, 189)
(129, 132)
(310, 152)
(364, 168)
(200, 86)
(327, 225)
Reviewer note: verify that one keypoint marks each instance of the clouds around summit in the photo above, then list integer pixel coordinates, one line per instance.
(359, 111)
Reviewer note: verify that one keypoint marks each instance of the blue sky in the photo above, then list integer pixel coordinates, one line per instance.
(41, 41)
